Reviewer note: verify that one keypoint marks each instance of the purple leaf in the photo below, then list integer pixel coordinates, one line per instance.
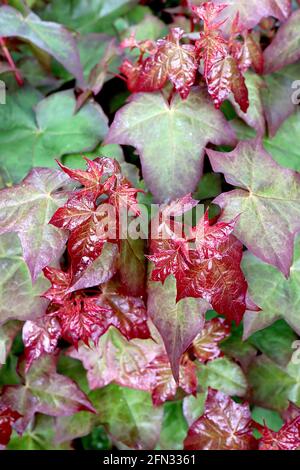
(267, 203)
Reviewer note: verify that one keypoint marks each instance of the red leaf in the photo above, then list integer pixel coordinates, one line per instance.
(60, 281)
(126, 313)
(223, 78)
(225, 425)
(170, 257)
(81, 318)
(40, 337)
(210, 271)
(219, 280)
(164, 387)
(79, 209)
(92, 178)
(287, 438)
(171, 61)
(85, 244)
(7, 418)
(221, 70)
(205, 346)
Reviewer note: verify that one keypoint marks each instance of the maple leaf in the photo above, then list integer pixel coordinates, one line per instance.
(287, 438)
(27, 208)
(115, 359)
(260, 202)
(44, 391)
(40, 337)
(164, 386)
(221, 70)
(81, 318)
(177, 322)
(211, 271)
(276, 295)
(92, 178)
(7, 417)
(170, 257)
(60, 281)
(205, 346)
(218, 280)
(251, 54)
(171, 61)
(77, 210)
(251, 13)
(126, 313)
(224, 425)
(194, 123)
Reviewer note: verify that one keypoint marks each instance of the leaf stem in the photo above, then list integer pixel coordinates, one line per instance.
(10, 60)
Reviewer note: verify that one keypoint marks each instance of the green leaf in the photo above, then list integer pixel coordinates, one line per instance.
(174, 427)
(129, 416)
(19, 298)
(269, 383)
(172, 154)
(275, 342)
(267, 417)
(277, 296)
(237, 348)
(40, 435)
(209, 187)
(193, 407)
(51, 37)
(224, 375)
(31, 138)
(92, 16)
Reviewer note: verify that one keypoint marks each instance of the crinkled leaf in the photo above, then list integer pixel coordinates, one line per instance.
(225, 425)
(40, 337)
(164, 386)
(178, 131)
(206, 345)
(267, 192)
(287, 438)
(171, 61)
(7, 417)
(51, 37)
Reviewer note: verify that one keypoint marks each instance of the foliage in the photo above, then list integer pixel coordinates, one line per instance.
(124, 325)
